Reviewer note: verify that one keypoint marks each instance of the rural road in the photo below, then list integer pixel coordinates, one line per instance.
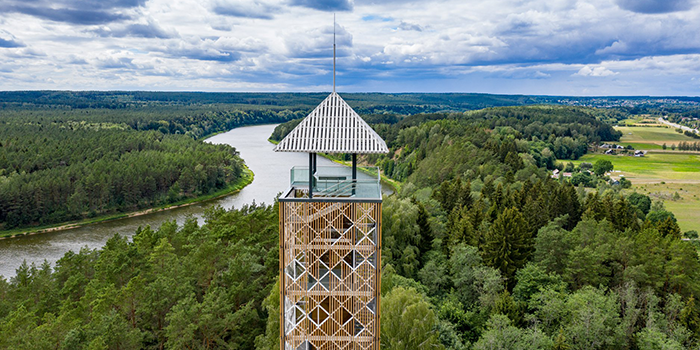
(684, 128)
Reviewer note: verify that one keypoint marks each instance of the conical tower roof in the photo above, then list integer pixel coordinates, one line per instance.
(333, 127)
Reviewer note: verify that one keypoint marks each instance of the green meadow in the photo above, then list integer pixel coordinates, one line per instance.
(686, 207)
(654, 167)
(650, 137)
(660, 175)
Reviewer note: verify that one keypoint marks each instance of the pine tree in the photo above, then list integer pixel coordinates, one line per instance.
(669, 227)
(508, 244)
(624, 215)
(424, 230)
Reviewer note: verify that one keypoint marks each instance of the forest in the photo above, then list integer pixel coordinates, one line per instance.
(50, 174)
(76, 155)
(481, 249)
(499, 255)
(62, 161)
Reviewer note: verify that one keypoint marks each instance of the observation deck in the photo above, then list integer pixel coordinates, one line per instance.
(333, 183)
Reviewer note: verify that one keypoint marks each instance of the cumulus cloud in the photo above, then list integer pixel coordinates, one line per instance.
(410, 26)
(245, 9)
(599, 71)
(149, 29)
(112, 62)
(325, 5)
(203, 54)
(288, 44)
(655, 6)
(8, 40)
(25, 52)
(75, 59)
(319, 43)
(221, 49)
(81, 12)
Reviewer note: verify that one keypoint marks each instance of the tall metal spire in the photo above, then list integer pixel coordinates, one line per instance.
(334, 52)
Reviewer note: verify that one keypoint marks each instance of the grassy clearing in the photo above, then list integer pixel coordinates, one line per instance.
(653, 168)
(640, 120)
(661, 175)
(651, 136)
(686, 209)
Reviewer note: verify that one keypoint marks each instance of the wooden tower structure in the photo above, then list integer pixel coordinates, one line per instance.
(330, 235)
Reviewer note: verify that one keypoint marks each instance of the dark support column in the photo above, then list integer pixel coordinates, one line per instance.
(354, 172)
(311, 175)
(315, 169)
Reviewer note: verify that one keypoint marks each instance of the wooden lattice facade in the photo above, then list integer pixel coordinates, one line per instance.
(330, 234)
(330, 268)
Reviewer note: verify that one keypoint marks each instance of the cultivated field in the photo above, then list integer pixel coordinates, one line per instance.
(650, 138)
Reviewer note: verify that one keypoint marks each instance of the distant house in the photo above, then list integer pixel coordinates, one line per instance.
(566, 174)
(619, 147)
(555, 174)
(610, 151)
(605, 145)
(639, 153)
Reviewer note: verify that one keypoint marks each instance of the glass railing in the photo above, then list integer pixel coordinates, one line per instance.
(336, 181)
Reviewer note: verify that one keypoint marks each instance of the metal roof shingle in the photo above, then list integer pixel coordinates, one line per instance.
(333, 127)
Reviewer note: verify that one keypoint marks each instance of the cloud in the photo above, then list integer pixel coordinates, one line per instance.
(245, 9)
(325, 5)
(223, 49)
(8, 40)
(150, 29)
(74, 59)
(208, 54)
(25, 52)
(84, 17)
(537, 46)
(250, 44)
(81, 12)
(318, 43)
(410, 26)
(116, 63)
(655, 6)
(524, 73)
(599, 71)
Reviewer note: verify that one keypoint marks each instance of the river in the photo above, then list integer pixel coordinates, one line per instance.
(271, 177)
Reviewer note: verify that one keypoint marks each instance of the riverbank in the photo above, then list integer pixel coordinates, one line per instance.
(246, 179)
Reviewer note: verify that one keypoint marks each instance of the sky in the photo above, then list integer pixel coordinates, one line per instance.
(535, 47)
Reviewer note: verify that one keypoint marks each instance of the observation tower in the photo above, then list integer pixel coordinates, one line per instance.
(330, 235)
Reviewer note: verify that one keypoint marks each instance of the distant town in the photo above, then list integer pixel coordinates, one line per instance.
(632, 102)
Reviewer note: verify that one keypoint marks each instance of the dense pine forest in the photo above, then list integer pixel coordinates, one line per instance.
(71, 160)
(52, 174)
(482, 248)
(67, 156)
(498, 255)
